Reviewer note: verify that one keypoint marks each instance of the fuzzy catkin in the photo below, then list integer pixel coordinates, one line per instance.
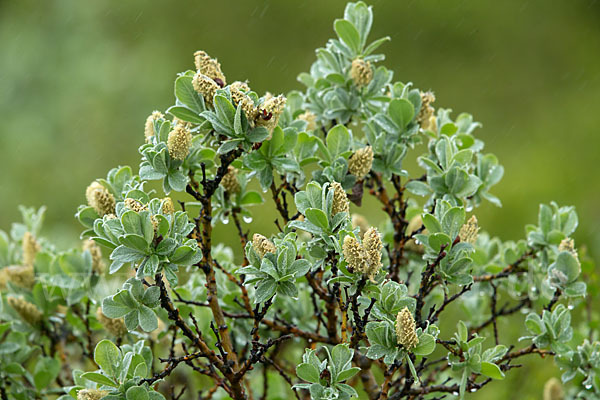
(568, 244)
(100, 199)
(360, 162)
(28, 311)
(134, 205)
(405, 329)
(425, 117)
(30, 248)
(262, 245)
(270, 111)
(179, 142)
(354, 254)
(469, 231)
(167, 206)
(115, 326)
(91, 394)
(360, 222)
(149, 126)
(19, 275)
(340, 199)
(361, 72)
(245, 102)
(373, 246)
(553, 390)
(230, 182)
(96, 253)
(205, 86)
(310, 118)
(210, 67)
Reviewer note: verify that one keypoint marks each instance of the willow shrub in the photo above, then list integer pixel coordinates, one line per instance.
(329, 307)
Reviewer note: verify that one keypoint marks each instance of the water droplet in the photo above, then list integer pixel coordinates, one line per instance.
(570, 306)
(225, 221)
(469, 208)
(588, 386)
(473, 390)
(247, 219)
(454, 393)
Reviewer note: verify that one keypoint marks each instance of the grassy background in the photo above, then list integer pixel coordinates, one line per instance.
(78, 78)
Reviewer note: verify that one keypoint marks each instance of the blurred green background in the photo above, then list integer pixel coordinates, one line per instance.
(78, 78)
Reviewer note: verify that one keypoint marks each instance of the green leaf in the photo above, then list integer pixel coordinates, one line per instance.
(426, 345)
(185, 114)
(567, 264)
(108, 357)
(99, 378)
(431, 223)
(348, 34)
(308, 373)
(46, 370)
(251, 197)
(419, 188)
(338, 140)
(186, 94)
(265, 290)
(147, 319)
(317, 217)
(347, 374)
(491, 370)
(136, 393)
(401, 111)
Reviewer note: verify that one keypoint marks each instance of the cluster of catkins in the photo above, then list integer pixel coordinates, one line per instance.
(209, 78)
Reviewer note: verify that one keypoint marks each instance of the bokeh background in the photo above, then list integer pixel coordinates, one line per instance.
(78, 78)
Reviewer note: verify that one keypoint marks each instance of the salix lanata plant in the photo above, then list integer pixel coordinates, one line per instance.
(329, 306)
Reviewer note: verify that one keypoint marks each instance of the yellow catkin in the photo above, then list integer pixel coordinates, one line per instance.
(96, 253)
(270, 111)
(360, 162)
(167, 206)
(205, 86)
(210, 67)
(414, 224)
(340, 199)
(361, 72)
(310, 118)
(553, 390)
(19, 275)
(262, 245)
(91, 394)
(114, 326)
(179, 142)
(373, 246)
(30, 248)
(425, 117)
(100, 199)
(405, 329)
(469, 231)
(134, 205)
(149, 126)
(244, 101)
(230, 181)
(360, 222)
(28, 311)
(354, 254)
(568, 244)
(239, 85)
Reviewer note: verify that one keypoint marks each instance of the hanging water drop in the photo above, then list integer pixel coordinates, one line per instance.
(247, 219)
